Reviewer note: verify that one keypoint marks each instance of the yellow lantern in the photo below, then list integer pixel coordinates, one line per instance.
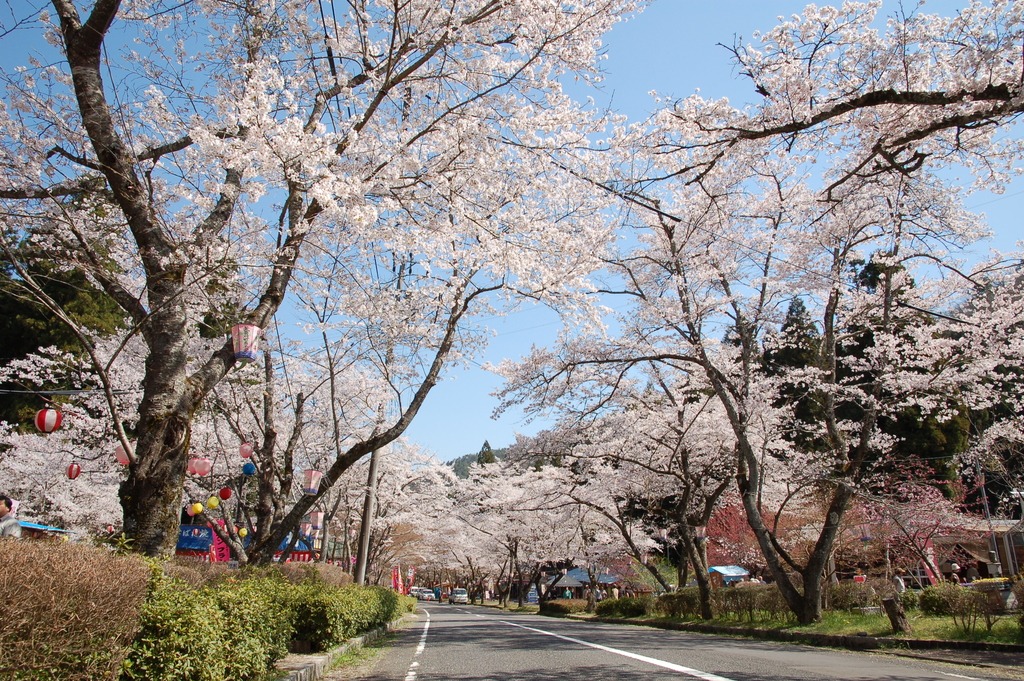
(197, 508)
(243, 532)
(213, 502)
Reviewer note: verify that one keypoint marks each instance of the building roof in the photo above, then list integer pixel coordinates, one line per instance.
(729, 570)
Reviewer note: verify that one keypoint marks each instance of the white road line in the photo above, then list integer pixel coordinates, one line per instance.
(411, 674)
(961, 676)
(696, 673)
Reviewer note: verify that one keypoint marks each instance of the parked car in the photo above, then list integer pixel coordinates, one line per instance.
(427, 595)
(460, 596)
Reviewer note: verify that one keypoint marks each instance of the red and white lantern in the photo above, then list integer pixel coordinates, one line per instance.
(245, 341)
(48, 420)
(311, 481)
(74, 470)
(245, 451)
(122, 456)
(316, 519)
(202, 466)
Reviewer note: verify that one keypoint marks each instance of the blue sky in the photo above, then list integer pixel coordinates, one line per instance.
(672, 48)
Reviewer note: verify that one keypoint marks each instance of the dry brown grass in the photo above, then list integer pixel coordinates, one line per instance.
(68, 611)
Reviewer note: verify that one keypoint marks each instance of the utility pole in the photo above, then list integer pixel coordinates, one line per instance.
(364, 529)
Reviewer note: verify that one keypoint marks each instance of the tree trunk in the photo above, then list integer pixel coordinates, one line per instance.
(897, 616)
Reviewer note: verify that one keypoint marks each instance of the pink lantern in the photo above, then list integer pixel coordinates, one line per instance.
(304, 529)
(245, 451)
(202, 466)
(311, 481)
(245, 340)
(122, 456)
(188, 509)
(191, 466)
(74, 470)
(48, 420)
(316, 518)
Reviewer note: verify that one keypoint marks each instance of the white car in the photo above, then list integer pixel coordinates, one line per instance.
(460, 596)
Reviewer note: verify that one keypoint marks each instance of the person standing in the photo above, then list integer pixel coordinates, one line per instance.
(898, 583)
(9, 525)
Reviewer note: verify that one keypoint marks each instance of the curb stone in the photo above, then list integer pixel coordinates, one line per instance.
(310, 667)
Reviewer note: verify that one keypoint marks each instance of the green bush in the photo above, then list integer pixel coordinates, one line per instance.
(180, 636)
(325, 617)
(910, 599)
(560, 607)
(682, 604)
(852, 595)
(258, 621)
(625, 607)
(940, 599)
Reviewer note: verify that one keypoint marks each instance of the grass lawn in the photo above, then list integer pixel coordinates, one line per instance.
(1006, 629)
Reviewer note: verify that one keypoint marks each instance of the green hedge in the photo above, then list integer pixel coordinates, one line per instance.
(939, 599)
(682, 604)
(237, 628)
(327, 617)
(626, 607)
(560, 607)
(180, 636)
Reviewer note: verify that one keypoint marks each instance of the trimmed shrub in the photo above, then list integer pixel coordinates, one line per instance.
(625, 607)
(325, 617)
(69, 611)
(750, 601)
(560, 607)
(852, 595)
(196, 573)
(180, 636)
(939, 599)
(318, 573)
(681, 604)
(910, 599)
(258, 622)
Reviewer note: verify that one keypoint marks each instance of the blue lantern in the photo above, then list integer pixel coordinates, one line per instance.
(249, 468)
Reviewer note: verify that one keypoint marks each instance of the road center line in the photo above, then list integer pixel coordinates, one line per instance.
(696, 673)
(411, 674)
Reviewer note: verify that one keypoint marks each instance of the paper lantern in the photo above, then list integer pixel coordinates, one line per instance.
(304, 529)
(311, 481)
(202, 466)
(317, 519)
(188, 509)
(213, 502)
(249, 468)
(224, 493)
(74, 470)
(191, 466)
(197, 508)
(242, 532)
(245, 451)
(48, 420)
(245, 340)
(121, 455)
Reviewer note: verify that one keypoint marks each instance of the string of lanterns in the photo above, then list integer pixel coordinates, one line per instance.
(245, 340)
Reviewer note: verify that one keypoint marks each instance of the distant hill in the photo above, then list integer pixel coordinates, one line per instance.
(461, 465)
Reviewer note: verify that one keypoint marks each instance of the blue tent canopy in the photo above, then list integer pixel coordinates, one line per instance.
(581, 575)
(41, 528)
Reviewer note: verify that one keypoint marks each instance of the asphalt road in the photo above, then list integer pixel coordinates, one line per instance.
(464, 642)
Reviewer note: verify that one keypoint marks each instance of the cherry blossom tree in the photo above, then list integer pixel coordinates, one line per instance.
(192, 158)
(841, 170)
